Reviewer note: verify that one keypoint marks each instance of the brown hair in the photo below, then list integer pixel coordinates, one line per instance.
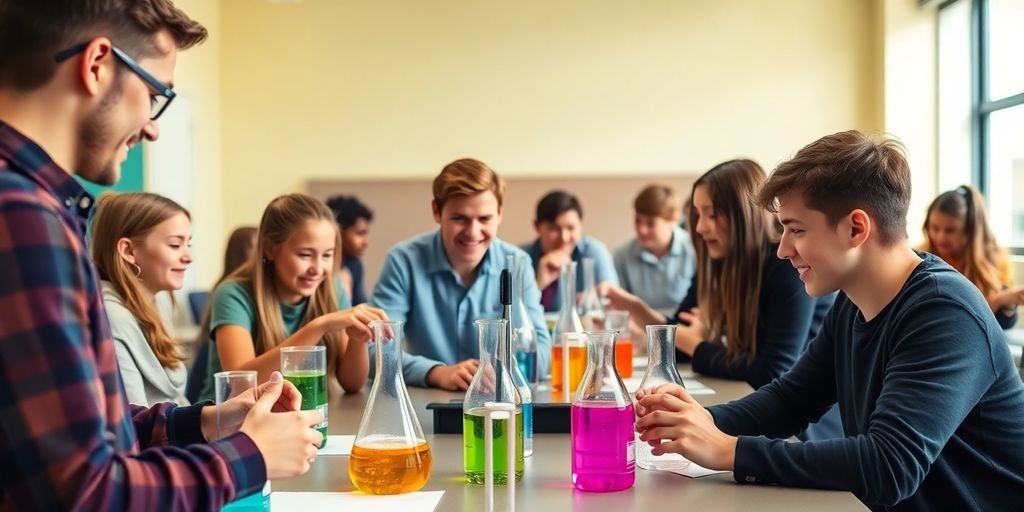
(658, 200)
(982, 254)
(134, 215)
(38, 29)
(849, 170)
(241, 247)
(282, 217)
(729, 290)
(466, 177)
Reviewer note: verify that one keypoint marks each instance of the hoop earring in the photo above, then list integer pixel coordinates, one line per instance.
(137, 269)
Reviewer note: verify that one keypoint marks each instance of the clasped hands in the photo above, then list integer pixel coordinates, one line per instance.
(671, 421)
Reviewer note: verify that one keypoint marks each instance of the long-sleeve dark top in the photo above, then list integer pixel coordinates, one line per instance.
(787, 319)
(931, 404)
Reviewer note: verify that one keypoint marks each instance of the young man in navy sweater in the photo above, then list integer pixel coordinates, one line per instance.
(931, 404)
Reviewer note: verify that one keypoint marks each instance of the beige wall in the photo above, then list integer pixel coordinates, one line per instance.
(325, 89)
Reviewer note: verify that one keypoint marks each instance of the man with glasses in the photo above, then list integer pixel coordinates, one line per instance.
(81, 81)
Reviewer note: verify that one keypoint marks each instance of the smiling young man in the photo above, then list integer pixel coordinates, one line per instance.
(442, 281)
(931, 404)
(80, 83)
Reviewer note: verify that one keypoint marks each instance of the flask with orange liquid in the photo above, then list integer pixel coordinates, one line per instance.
(390, 454)
(568, 351)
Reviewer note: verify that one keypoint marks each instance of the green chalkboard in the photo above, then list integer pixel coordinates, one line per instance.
(131, 176)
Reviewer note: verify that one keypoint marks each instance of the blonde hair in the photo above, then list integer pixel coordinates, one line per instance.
(658, 200)
(729, 290)
(466, 177)
(133, 216)
(282, 217)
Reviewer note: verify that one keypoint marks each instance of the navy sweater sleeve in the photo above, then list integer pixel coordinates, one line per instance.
(785, 317)
(1006, 321)
(929, 385)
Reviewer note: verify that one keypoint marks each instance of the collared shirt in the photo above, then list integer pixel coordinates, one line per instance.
(418, 285)
(661, 283)
(68, 438)
(586, 247)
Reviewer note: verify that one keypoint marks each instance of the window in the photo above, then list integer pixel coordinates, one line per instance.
(981, 107)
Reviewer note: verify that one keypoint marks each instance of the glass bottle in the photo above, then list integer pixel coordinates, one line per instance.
(490, 384)
(390, 455)
(602, 422)
(591, 310)
(568, 351)
(661, 369)
(619, 321)
(525, 337)
(514, 332)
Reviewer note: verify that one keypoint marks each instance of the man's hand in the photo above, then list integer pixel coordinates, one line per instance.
(454, 377)
(672, 421)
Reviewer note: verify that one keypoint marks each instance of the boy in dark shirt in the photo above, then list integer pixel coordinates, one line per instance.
(931, 404)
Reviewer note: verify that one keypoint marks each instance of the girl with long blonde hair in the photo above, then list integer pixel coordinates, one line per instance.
(286, 296)
(140, 245)
(956, 230)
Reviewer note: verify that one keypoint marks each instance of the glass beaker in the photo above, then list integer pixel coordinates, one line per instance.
(490, 384)
(602, 422)
(590, 309)
(568, 350)
(227, 385)
(390, 455)
(306, 368)
(661, 369)
(619, 321)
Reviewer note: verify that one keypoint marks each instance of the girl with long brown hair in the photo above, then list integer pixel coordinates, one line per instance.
(286, 296)
(754, 317)
(956, 230)
(140, 244)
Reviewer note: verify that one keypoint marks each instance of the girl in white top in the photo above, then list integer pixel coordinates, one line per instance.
(141, 247)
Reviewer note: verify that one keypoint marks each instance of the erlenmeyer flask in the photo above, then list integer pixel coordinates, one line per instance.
(619, 321)
(661, 369)
(525, 337)
(390, 454)
(568, 351)
(591, 310)
(602, 432)
(490, 384)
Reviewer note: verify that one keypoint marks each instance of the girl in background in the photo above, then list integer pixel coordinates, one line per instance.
(286, 296)
(140, 244)
(956, 230)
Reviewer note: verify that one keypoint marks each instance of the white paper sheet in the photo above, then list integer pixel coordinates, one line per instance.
(337, 445)
(640, 364)
(693, 386)
(695, 471)
(411, 502)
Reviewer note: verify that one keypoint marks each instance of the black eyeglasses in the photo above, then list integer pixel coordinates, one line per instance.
(157, 102)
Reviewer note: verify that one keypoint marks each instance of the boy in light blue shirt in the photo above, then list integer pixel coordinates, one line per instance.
(441, 282)
(559, 226)
(659, 264)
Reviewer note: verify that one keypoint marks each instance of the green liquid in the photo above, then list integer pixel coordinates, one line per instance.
(473, 447)
(313, 387)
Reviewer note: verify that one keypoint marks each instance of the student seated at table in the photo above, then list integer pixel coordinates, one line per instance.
(956, 230)
(560, 239)
(931, 404)
(286, 296)
(442, 281)
(746, 315)
(141, 247)
(354, 220)
(658, 264)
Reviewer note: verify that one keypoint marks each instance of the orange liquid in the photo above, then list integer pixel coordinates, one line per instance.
(389, 466)
(577, 365)
(624, 358)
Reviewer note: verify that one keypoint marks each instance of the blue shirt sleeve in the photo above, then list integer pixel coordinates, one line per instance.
(394, 294)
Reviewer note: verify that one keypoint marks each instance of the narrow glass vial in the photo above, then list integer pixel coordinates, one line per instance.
(525, 337)
(661, 369)
(515, 332)
(390, 455)
(602, 419)
(491, 383)
(568, 351)
(591, 310)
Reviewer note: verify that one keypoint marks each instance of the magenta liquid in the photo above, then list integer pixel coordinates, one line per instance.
(603, 456)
